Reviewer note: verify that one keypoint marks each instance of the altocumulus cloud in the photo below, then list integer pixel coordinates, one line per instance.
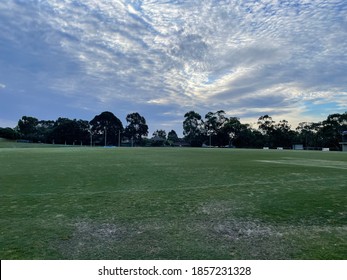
(163, 58)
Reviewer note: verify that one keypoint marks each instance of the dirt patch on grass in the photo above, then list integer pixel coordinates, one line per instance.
(239, 229)
(91, 239)
(253, 240)
(243, 236)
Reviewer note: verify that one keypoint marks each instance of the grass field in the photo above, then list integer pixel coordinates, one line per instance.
(172, 203)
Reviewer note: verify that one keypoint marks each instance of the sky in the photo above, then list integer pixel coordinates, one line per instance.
(78, 58)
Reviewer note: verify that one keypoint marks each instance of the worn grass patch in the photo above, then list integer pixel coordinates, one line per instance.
(158, 203)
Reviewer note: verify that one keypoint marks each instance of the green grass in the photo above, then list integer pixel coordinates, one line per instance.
(172, 203)
(5, 143)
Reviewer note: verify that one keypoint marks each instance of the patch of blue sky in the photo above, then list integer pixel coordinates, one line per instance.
(320, 109)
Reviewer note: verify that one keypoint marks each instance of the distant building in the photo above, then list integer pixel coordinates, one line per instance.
(344, 141)
(298, 147)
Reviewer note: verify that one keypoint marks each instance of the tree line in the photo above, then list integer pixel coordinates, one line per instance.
(215, 129)
(103, 129)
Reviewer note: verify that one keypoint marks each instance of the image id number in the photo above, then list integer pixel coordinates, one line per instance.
(216, 270)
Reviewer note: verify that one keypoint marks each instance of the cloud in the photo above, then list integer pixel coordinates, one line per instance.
(2, 86)
(178, 55)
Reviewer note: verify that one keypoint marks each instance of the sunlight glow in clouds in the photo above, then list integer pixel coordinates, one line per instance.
(163, 58)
